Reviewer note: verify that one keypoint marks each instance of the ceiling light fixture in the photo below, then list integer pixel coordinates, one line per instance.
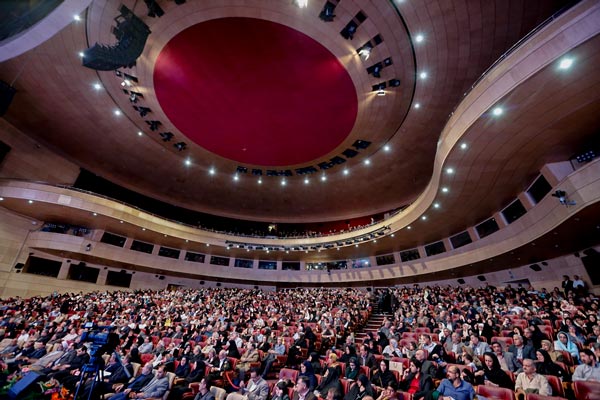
(386, 148)
(367, 162)
(497, 111)
(346, 172)
(449, 171)
(381, 92)
(76, 17)
(301, 3)
(436, 205)
(463, 146)
(565, 63)
(306, 181)
(117, 113)
(259, 181)
(236, 178)
(211, 171)
(283, 182)
(417, 105)
(424, 217)
(444, 190)
(97, 86)
(423, 75)
(81, 54)
(323, 178)
(140, 133)
(365, 51)
(419, 38)
(188, 162)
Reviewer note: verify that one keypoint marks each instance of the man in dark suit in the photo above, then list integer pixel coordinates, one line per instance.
(413, 372)
(521, 351)
(427, 367)
(204, 392)
(137, 384)
(157, 387)
(116, 375)
(366, 359)
(301, 389)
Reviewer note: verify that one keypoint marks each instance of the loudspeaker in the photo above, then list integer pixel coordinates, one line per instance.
(591, 262)
(19, 266)
(7, 93)
(481, 278)
(21, 387)
(461, 281)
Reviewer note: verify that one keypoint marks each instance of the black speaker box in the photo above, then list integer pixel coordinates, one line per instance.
(27, 382)
(7, 93)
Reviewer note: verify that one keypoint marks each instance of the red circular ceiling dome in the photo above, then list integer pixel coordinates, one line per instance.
(255, 91)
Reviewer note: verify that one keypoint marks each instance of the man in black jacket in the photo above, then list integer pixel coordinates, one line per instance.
(414, 381)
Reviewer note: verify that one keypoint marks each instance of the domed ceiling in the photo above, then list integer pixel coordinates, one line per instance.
(270, 112)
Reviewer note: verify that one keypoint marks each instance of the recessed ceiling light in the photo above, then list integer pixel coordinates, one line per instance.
(76, 17)
(436, 205)
(565, 63)
(1, 198)
(188, 162)
(424, 217)
(140, 133)
(121, 221)
(355, 245)
(449, 171)
(117, 112)
(387, 147)
(338, 249)
(165, 235)
(287, 252)
(143, 229)
(381, 92)
(323, 178)
(236, 178)
(375, 241)
(247, 250)
(463, 146)
(283, 182)
(187, 240)
(211, 171)
(417, 105)
(306, 181)
(97, 86)
(346, 171)
(30, 201)
(81, 54)
(94, 214)
(423, 75)
(259, 181)
(393, 235)
(207, 244)
(409, 227)
(444, 190)
(367, 162)
(497, 111)
(419, 38)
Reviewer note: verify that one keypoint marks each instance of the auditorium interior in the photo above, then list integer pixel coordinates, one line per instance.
(264, 144)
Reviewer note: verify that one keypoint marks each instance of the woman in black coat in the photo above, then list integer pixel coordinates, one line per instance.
(492, 374)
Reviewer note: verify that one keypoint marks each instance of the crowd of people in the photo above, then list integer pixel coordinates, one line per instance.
(434, 343)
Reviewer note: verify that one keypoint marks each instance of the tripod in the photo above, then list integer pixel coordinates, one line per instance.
(91, 370)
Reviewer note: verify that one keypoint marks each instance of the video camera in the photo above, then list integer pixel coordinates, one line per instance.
(103, 340)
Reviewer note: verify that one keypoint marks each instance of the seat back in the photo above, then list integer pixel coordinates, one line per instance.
(586, 390)
(556, 385)
(218, 392)
(289, 374)
(136, 368)
(492, 392)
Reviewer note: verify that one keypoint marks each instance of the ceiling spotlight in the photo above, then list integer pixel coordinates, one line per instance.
(355, 245)
(346, 172)
(207, 244)
(436, 205)
(449, 171)
(76, 17)
(97, 86)
(95, 214)
(283, 182)
(417, 105)
(126, 82)
(424, 217)
(236, 178)
(323, 178)
(367, 162)
(260, 181)
(423, 75)
(188, 162)
(81, 54)
(301, 3)
(386, 147)
(444, 190)
(365, 51)
(211, 171)
(143, 229)
(565, 63)
(381, 92)
(463, 146)
(140, 133)
(1, 198)
(497, 111)
(121, 221)
(117, 112)
(306, 181)
(419, 38)
(393, 235)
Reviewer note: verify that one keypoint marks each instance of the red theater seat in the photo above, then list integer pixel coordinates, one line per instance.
(586, 390)
(495, 393)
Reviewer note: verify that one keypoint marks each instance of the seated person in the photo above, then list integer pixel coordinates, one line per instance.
(529, 381)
